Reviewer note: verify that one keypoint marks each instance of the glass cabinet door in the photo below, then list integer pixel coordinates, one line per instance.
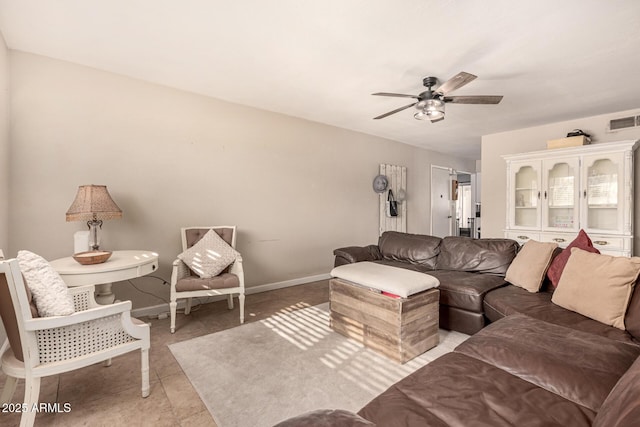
(560, 194)
(525, 182)
(602, 192)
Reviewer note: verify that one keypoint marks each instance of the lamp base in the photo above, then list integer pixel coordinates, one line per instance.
(94, 238)
(92, 257)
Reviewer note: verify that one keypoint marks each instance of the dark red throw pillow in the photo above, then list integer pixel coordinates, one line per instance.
(557, 265)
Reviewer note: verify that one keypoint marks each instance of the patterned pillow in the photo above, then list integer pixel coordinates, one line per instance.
(50, 293)
(209, 256)
(557, 265)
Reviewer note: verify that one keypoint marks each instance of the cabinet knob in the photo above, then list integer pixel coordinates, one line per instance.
(585, 194)
(538, 195)
(523, 237)
(600, 242)
(545, 195)
(559, 240)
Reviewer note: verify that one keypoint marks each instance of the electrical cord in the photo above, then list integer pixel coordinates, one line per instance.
(194, 308)
(148, 293)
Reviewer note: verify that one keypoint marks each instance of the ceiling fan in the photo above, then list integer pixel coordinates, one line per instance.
(430, 104)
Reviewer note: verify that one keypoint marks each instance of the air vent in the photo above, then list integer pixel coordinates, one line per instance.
(623, 123)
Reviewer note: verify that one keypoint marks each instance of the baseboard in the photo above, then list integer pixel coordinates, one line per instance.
(159, 309)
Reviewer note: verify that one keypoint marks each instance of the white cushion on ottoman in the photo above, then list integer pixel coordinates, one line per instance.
(397, 281)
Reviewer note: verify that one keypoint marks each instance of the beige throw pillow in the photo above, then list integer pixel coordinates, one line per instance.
(529, 267)
(209, 256)
(597, 286)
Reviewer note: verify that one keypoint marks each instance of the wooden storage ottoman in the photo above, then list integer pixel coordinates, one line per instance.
(399, 328)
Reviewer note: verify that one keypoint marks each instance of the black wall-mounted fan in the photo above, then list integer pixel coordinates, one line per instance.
(430, 103)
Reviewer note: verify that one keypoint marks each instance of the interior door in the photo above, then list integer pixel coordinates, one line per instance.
(441, 204)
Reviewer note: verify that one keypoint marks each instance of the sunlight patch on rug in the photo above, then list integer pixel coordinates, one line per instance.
(260, 373)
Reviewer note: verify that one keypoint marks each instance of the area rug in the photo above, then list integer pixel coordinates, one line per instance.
(261, 373)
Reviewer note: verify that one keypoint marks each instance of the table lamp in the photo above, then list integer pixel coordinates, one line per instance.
(93, 204)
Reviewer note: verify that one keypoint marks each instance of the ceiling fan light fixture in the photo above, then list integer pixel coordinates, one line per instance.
(421, 104)
(421, 115)
(429, 109)
(434, 108)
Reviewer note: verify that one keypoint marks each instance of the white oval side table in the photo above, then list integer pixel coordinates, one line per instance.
(123, 265)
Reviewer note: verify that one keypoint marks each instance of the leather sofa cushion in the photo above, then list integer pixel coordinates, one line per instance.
(457, 390)
(632, 318)
(411, 248)
(461, 320)
(511, 300)
(622, 406)
(415, 267)
(476, 255)
(579, 366)
(326, 418)
(351, 254)
(465, 290)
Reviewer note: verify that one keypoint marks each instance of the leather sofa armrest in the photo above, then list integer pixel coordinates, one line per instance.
(351, 254)
(327, 418)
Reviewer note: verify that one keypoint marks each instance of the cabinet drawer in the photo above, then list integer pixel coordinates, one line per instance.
(147, 268)
(562, 239)
(521, 236)
(609, 243)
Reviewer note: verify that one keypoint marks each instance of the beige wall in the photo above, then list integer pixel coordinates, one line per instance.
(296, 189)
(532, 139)
(4, 145)
(4, 155)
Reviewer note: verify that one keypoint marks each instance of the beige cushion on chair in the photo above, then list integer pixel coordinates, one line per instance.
(195, 283)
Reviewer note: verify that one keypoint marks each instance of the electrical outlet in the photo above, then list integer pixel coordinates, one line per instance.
(1, 254)
(163, 315)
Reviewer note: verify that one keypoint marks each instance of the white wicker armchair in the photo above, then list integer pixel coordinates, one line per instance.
(43, 346)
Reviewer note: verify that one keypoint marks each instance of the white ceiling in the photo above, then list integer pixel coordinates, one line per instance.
(321, 60)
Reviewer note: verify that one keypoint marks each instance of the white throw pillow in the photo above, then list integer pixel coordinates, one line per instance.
(209, 256)
(50, 293)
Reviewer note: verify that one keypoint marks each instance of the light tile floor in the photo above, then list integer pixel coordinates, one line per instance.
(110, 396)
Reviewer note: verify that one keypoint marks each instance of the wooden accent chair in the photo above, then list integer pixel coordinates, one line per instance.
(44, 346)
(186, 284)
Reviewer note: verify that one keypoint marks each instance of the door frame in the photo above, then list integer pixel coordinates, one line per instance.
(450, 171)
(452, 208)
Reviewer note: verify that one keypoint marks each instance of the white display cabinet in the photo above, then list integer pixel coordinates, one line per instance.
(552, 194)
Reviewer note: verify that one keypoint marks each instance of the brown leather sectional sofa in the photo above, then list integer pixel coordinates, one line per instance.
(467, 269)
(520, 371)
(536, 364)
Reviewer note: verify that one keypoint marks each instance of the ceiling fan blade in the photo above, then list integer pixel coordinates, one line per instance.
(437, 120)
(455, 82)
(473, 99)
(397, 95)
(397, 110)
